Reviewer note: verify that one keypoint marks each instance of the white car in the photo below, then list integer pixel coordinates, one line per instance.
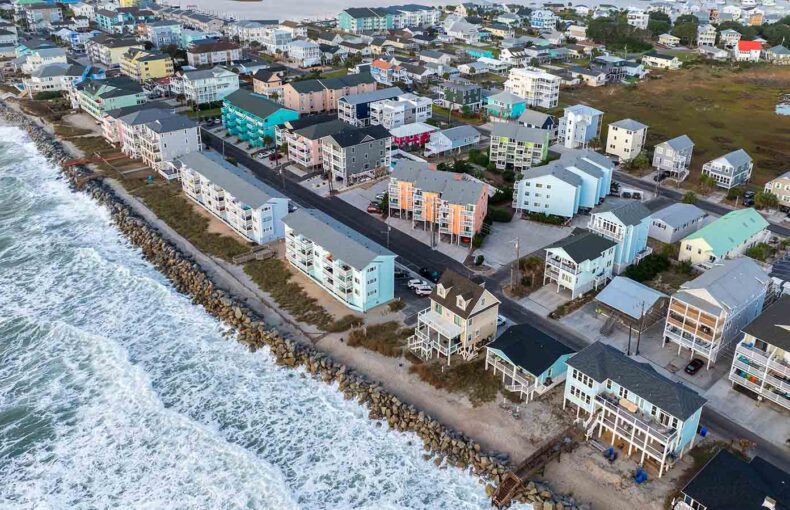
(415, 282)
(500, 321)
(423, 290)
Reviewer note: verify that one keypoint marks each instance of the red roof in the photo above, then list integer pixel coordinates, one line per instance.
(749, 46)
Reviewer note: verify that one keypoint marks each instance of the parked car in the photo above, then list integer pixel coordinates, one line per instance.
(626, 194)
(423, 290)
(373, 208)
(748, 202)
(381, 196)
(431, 275)
(748, 194)
(414, 282)
(694, 366)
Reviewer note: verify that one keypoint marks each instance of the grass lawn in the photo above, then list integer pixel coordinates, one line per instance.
(273, 276)
(335, 73)
(211, 112)
(442, 113)
(470, 378)
(387, 339)
(719, 108)
(169, 204)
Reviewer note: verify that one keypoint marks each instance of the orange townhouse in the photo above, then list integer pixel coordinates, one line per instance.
(321, 95)
(450, 204)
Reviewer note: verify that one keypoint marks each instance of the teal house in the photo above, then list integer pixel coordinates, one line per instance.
(505, 105)
(478, 53)
(528, 361)
(253, 117)
(366, 19)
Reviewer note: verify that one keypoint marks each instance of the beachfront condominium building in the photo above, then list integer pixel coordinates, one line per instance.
(166, 139)
(626, 402)
(762, 359)
(730, 170)
(536, 86)
(724, 238)
(671, 224)
(626, 139)
(529, 361)
(304, 143)
(95, 97)
(579, 263)
(516, 147)
(355, 154)
(580, 179)
(322, 95)
(212, 52)
(349, 266)
(209, 85)
(461, 317)
(707, 313)
(401, 111)
(141, 65)
(674, 157)
(579, 125)
(251, 208)
(626, 224)
(365, 19)
(275, 40)
(253, 118)
(356, 109)
(252, 31)
(781, 188)
(448, 204)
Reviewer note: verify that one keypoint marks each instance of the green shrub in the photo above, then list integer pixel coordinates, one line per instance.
(690, 198)
(648, 268)
(500, 214)
(479, 260)
(760, 252)
(546, 218)
(47, 95)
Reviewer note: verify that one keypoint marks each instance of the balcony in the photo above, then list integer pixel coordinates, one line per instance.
(637, 427)
(435, 333)
(558, 264)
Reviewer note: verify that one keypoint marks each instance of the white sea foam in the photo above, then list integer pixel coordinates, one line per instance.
(117, 392)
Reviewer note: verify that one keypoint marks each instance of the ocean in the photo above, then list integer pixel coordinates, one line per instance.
(117, 392)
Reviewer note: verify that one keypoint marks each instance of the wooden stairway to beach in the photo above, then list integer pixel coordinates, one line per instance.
(515, 479)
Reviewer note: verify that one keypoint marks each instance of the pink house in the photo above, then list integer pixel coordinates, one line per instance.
(304, 144)
(316, 96)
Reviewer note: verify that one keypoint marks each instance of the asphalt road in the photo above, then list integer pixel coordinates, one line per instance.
(415, 254)
(677, 196)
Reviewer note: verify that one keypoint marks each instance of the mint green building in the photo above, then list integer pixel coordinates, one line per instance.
(365, 19)
(96, 97)
(253, 117)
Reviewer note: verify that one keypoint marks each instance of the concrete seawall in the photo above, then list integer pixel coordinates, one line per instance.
(441, 443)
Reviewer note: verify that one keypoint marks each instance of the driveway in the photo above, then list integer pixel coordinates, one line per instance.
(499, 247)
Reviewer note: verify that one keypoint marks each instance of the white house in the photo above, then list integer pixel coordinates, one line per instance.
(626, 139)
(579, 263)
(53, 78)
(627, 224)
(638, 18)
(730, 170)
(668, 40)
(251, 208)
(671, 224)
(304, 53)
(209, 85)
(40, 57)
(661, 61)
(674, 157)
(166, 139)
(579, 125)
(404, 109)
(452, 139)
(536, 86)
(706, 35)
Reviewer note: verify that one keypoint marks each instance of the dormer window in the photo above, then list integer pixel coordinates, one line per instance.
(441, 291)
(460, 303)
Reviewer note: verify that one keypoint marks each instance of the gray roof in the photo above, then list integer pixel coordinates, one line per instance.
(58, 69)
(733, 283)
(535, 118)
(374, 95)
(773, 326)
(602, 362)
(583, 245)
(255, 104)
(529, 348)
(344, 243)
(631, 213)
(627, 296)
(206, 73)
(581, 109)
(143, 115)
(556, 169)
(232, 179)
(460, 132)
(456, 286)
(737, 158)
(453, 187)
(506, 97)
(679, 143)
(171, 123)
(321, 129)
(629, 125)
(678, 215)
(519, 133)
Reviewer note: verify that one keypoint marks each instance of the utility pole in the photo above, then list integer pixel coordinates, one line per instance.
(641, 327)
(628, 350)
(514, 269)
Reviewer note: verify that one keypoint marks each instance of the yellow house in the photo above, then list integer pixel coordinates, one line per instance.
(142, 65)
(127, 3)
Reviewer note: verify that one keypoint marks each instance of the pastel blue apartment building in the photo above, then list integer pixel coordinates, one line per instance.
(505, 106)
(365, 19)
(350, 267)
(529, 361)
(580, 179)
(253, 117)
(629, 405)
(628, 225)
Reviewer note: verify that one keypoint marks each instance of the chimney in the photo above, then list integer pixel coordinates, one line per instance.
(769, 503)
